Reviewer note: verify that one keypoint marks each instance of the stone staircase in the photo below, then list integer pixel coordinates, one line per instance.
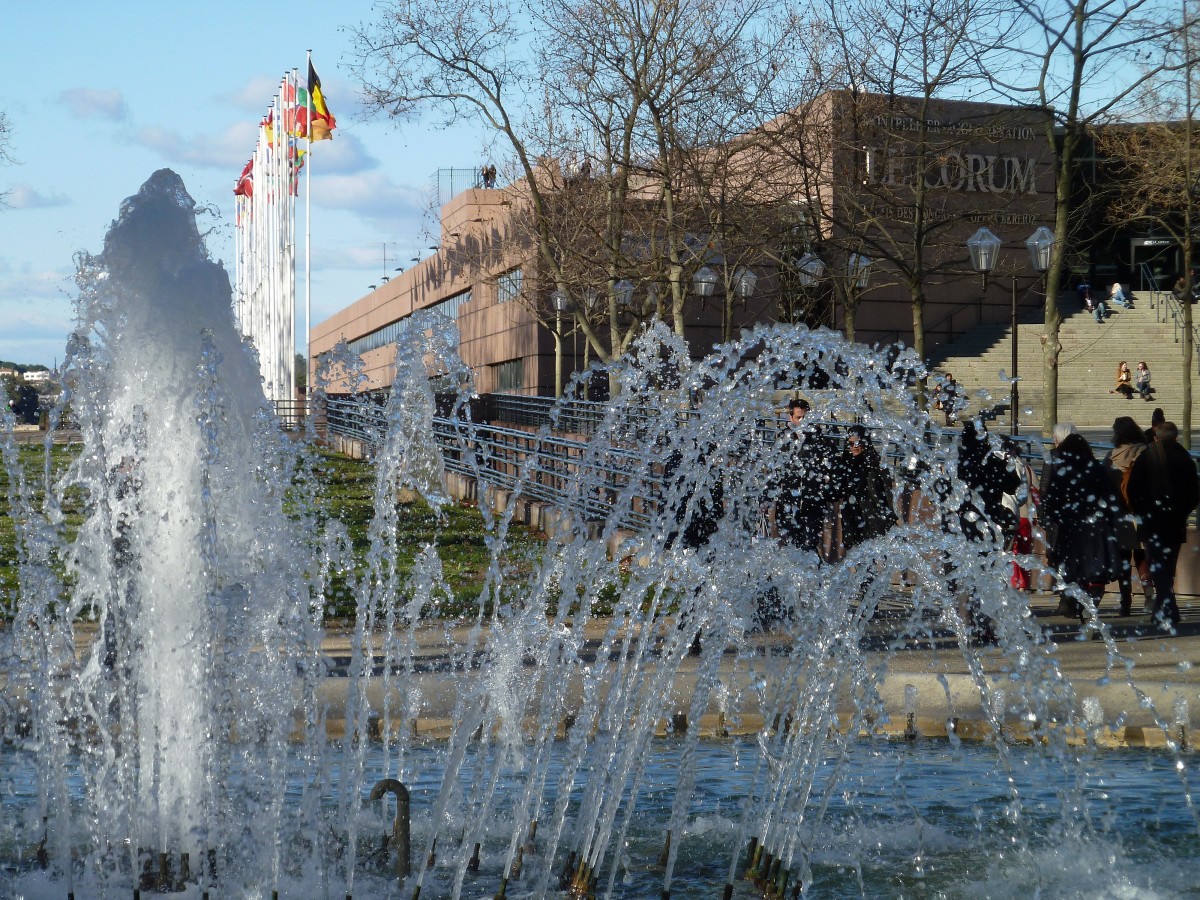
(981, 361)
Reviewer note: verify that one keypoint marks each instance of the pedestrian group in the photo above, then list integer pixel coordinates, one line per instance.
(1121, 519)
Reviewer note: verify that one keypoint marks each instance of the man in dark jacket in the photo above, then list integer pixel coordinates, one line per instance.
(1163, 489)
(989, 474)
(804, 490)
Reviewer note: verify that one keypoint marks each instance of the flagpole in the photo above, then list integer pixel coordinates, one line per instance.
(308, 373)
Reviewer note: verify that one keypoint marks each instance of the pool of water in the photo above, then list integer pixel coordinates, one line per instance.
(926, 819)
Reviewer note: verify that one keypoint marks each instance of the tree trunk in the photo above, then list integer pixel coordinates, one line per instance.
(1051, 348)
(1189, 350)
(918, 322)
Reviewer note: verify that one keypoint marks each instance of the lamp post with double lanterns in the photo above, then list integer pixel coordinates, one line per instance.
(741, 285)
(984, 249)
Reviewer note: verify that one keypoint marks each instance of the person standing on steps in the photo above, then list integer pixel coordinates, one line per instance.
(947, 399)
(1163, 490)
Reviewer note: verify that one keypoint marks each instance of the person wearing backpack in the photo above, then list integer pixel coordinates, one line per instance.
(1163, 490)
(1082, 502)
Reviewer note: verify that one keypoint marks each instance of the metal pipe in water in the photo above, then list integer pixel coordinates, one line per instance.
(401, 826)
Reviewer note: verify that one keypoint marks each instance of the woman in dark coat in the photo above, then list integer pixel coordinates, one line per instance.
(1082, 504)
(866, 491)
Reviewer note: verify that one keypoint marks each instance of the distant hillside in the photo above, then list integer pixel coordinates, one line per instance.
(23, 367)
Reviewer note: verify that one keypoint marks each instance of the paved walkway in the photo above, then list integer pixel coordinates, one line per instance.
(1139, 687)
(1139, 684)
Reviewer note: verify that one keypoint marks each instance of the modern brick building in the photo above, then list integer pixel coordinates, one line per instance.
(882, 180)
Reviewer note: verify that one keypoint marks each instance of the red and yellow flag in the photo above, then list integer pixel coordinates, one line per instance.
(322, 124)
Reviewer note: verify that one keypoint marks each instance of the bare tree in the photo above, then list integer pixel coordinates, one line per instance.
(5, 145)
(604, 107)
(892, 170)
(1156, 166)
(1082, 62)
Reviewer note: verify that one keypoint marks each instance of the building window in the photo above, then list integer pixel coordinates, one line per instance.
(508, 286)
(451, 306)
(382, 337)
(510, 376)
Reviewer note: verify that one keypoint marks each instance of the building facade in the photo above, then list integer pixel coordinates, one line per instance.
(882, 193)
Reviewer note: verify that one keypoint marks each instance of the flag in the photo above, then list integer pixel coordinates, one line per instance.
(245, 182)
(268, 126)
(295, 110)
(295, 164)
(323, 122)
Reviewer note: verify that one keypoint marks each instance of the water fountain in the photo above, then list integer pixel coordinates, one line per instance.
(172, 722)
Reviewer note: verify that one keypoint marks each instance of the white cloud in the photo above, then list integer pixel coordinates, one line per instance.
(255, 96)
(370, 194)
(34, 329)
(344, 154)
(228, 149)
(93, 103)
(22, 196)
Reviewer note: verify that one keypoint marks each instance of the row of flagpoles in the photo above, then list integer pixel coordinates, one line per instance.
(265, 254)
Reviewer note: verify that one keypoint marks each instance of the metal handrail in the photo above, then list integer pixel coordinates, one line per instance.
(571, 473)
(1173, 307)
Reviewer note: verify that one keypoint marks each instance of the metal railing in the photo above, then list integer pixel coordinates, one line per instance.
(292, 414)
(580, 417)
(449, 183)
(574, 473)
(1171, 306)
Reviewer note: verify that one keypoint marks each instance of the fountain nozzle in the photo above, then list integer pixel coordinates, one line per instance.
(401, 825)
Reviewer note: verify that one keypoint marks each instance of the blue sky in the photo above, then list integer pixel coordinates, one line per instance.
(99, 96)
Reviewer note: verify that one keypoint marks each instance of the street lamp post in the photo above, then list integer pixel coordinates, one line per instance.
(809, 269)
(744, 281)
(984, 249)
(562, 304)
(859, 269)
(1040, 245)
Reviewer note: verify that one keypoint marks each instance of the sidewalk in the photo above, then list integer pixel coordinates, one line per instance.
(1163, 668)
(1148, 666)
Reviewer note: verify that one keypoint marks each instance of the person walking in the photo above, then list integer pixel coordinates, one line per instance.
(1082, 503)
(865, 490)
(1124, 379)
(984, 519)
(803, 492)
(1128, 444)
(1163, 490)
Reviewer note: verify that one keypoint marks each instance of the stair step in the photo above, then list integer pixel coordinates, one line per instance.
(1086, 363)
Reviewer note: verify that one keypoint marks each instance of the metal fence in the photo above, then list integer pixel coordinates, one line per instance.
(566, 469)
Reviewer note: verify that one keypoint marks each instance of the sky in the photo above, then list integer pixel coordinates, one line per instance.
(99, 96)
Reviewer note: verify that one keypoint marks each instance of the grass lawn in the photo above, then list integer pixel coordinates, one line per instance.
(345, 492)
